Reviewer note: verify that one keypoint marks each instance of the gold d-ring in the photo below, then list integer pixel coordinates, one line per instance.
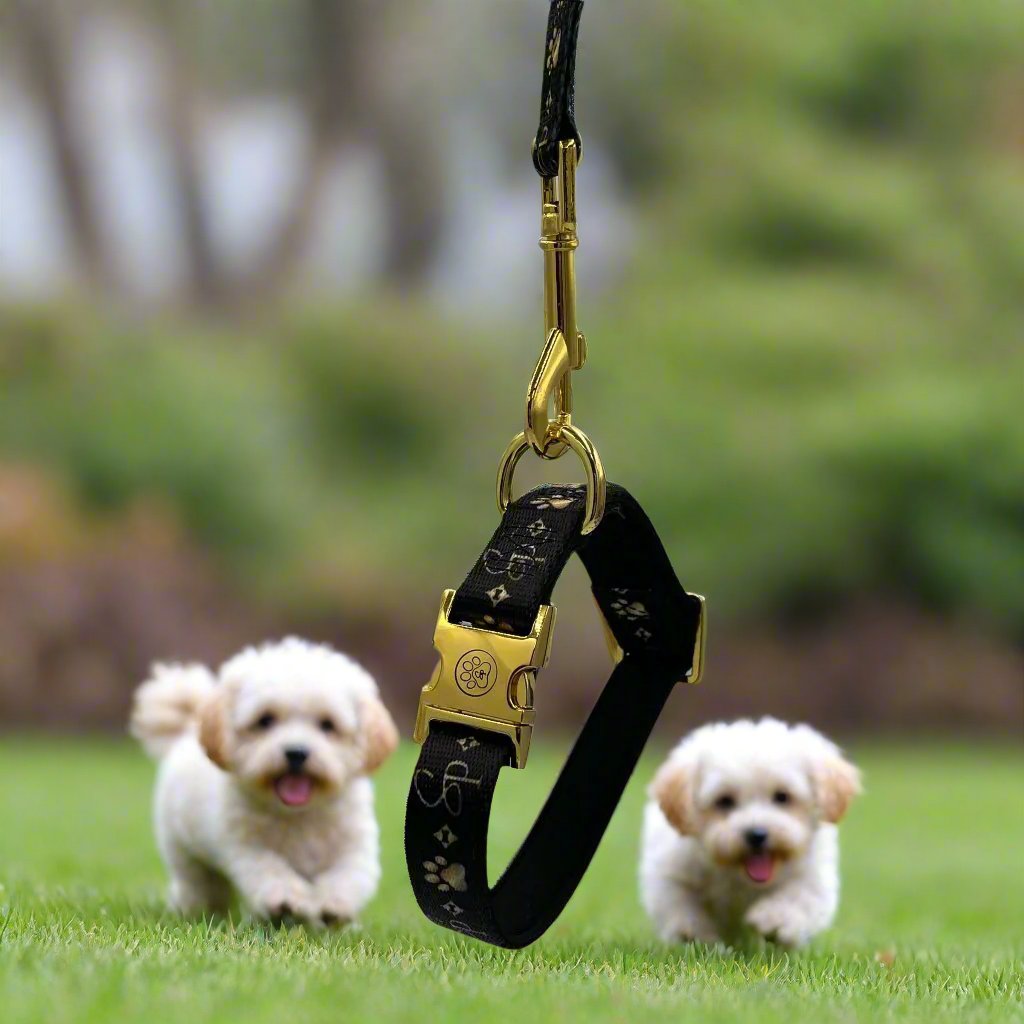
(584, 448)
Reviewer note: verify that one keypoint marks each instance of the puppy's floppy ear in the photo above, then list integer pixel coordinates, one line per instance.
(838, 782)
(213, 727)
(380, 733)
(672, 789)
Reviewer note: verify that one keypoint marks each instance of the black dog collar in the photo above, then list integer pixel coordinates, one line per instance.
(476, 714)
(494, 633)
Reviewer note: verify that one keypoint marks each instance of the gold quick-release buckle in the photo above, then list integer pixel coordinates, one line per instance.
(485, 679)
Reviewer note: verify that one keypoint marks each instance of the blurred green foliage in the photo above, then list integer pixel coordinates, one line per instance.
(813, 375)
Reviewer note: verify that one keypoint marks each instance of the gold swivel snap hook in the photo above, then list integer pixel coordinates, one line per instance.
(565, 348)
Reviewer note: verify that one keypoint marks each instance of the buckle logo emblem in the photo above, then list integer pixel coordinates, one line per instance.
(475, 673)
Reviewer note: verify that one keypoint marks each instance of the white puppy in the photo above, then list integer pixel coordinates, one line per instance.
(740, 833)
(262, 784)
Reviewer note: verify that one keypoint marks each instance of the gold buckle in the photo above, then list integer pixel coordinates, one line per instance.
(699, 641)
(485, 678)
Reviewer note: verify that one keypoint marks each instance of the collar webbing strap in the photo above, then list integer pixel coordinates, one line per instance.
(655, 623)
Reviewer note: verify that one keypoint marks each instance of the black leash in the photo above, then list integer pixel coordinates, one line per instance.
(557, 96)
(493, 634)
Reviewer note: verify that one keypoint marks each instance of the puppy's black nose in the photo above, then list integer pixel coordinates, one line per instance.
(756, 838)
(296, 757)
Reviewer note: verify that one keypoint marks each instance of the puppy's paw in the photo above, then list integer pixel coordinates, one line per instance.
(687, 936)
(779, 923)
(686, 929)
(336, 917)
(335, 910)
(284, 902)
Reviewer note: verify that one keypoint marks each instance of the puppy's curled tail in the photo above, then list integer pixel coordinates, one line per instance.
(167, 705)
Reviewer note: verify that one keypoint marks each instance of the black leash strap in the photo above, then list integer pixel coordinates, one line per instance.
(656, 625)
(557, 99)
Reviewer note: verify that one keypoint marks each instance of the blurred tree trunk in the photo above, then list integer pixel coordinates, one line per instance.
(207, 286)
(368, 75)
(413, 185)
(43, 29)
(403, 115)
(334, 32)
(358, 84)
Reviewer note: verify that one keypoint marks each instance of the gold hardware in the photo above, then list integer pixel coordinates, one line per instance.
(614, 650)
(485, 678)
(699, 642)
(551, 371)
(565, 347)
(575, 439)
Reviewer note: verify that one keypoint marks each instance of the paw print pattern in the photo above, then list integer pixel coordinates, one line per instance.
(559, 502)
(631, 610)
(444, 875)
(476, 672)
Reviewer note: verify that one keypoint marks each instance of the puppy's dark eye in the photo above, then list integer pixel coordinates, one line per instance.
(726, 802)
(265, 721)
(327, 725)
(780, 796)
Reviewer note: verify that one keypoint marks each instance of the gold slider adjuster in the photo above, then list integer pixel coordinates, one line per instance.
(699, 642)
(484, 678)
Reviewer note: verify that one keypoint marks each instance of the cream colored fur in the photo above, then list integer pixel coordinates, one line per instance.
(221, 823)
(719, 784)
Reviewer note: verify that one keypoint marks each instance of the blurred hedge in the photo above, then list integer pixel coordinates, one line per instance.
(792, 464)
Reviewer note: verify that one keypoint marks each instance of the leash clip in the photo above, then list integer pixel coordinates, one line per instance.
(549, 428)
(565, 346)
(484, 679)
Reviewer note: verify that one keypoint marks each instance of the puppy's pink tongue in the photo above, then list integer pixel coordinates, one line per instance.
(294, 790)
(760, 867)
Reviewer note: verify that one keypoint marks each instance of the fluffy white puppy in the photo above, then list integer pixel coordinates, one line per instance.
(740, 833)
(263, 781)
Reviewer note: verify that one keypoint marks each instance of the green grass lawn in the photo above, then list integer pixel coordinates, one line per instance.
(931, 927)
